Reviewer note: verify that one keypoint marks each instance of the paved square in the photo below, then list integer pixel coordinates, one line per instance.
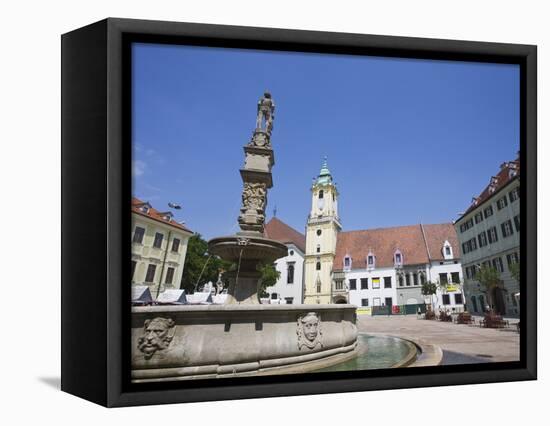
(461, 344)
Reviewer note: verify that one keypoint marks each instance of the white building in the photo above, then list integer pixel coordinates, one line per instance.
(289, 287)
(377, 267)
(489, 234)
(387, 266)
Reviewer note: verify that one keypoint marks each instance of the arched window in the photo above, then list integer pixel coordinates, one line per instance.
(321, 194)
(398, 258)
(318, 266)
(290, 273)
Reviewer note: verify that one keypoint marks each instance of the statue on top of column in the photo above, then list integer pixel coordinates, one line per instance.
(266, 114)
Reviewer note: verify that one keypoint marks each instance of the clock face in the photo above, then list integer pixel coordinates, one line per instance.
(320, 203)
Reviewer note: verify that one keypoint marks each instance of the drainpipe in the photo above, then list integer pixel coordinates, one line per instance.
(163, 263)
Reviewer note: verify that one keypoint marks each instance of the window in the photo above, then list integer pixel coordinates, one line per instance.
(455, 277)
(422, 278)
(274, 296)
(516, 222)
(446, 299)
(398, 258)
(347, 263)
(514, 194)
(497, 264)
(408, 279)
(319, 232)
(469, 245)
(415, 279)
(512, 258)
(321, 194)
(492, 235)
(447, 251)
(507, 229)
(318, 266)
(458, 299)
(466, 225)
(175, 245)
(364, 283)
(478, 217)
(291, 252)
(488, 211)
(169, 275)
(158, 240)
(400, 280)
(318, 248)
(501, 203)
(376, 283)
(138, 235)
(339, 285)
(387, 282)
(133, 269)
(364, 302)
(370, 261)
(290, 273)
(353, 284)
(318, 285)
(150, 276)
(482, 239)
(389, 301)
(443, 279)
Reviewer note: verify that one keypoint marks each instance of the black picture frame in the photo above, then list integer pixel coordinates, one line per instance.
(96, 171)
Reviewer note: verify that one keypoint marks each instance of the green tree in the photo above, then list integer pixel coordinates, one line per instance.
(489, 278)
(200, 267)
(515, 271)
(269, 277)
(429, 289)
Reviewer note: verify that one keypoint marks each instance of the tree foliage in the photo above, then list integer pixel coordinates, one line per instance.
(200, 267)
(429, 288)
(270, 275)
(515, 271)
(488, 278)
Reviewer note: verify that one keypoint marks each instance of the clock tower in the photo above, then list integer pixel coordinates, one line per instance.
(322, 229)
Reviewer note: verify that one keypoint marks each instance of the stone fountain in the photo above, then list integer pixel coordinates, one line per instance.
(243, 337)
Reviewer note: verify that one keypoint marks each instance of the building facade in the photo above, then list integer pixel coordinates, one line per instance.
(489, 235)
(377, 267)
(159, 246)
(323, 226)
(289, 286)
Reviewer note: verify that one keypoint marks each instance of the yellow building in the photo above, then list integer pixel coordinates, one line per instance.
(322, 229)
(159, 246)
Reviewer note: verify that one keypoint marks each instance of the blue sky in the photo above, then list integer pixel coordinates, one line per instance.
(407, 141)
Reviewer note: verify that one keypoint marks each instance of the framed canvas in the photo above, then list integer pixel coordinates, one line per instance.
(381, 250)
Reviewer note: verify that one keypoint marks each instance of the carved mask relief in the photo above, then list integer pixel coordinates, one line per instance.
(309, 331)
(157, 335)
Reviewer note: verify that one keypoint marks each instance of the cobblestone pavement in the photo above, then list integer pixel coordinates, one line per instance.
(461, 344)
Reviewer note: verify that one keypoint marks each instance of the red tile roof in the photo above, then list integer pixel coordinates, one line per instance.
(508, 172)
(413, 241)
(155, 214)
(280, 231)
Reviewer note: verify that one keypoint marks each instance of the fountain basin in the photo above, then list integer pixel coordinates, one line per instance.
(189, 342)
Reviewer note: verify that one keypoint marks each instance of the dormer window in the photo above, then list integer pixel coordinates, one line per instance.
(447, 250)
(398, 258)
(347, 263)
(371, 260)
